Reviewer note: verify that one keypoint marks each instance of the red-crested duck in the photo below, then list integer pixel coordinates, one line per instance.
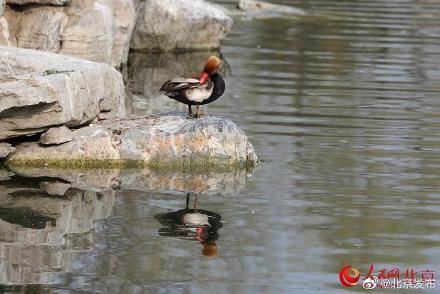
(190, 91)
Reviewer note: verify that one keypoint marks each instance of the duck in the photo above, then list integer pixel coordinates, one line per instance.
(197, 91)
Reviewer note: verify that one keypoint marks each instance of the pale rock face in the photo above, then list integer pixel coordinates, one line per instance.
(55, 136)
(37, 28)
(124, 18)
(96, 30)
(5, 149)
(39, 90)
(88, 33)
(170, 140)
(167, 25)
(4, 32)
(2, 7)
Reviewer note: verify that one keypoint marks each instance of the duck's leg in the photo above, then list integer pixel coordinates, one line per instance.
(198, 110)
(196, 204)
(190, 112)
(187, 200)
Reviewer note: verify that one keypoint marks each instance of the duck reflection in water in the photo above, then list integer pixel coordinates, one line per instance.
(192, 224)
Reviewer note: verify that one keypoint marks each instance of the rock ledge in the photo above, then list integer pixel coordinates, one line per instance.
(158, 141)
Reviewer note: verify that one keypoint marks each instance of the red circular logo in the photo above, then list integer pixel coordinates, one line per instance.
(349, 276)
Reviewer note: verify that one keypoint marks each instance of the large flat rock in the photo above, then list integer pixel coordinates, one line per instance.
(167, 25)
(39, 90)
(159, 141)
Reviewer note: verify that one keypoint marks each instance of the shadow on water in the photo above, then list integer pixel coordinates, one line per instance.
(48, 228)
(42, 233)
(193, 224)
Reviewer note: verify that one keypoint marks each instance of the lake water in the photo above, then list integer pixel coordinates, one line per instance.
(342, 107)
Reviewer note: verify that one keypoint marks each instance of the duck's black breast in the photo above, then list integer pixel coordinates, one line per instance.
(219, 88)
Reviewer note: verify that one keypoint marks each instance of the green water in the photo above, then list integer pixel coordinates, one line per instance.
(342, 107)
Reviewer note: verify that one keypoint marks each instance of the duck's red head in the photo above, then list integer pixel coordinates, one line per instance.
(209, 249)
(211, 67)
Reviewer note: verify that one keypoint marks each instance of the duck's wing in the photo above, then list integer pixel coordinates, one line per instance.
(178, 85)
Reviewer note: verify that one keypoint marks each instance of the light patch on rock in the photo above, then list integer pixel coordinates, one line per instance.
(5, 149)
(4, 32)
(96, 30)
(56, 136)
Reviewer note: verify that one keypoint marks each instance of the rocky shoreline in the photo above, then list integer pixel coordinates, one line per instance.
(62, 102)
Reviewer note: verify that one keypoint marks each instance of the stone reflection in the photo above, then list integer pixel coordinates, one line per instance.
(225, 182)
(36, 217)
(192, 224)
(47, 215)
(146, 72)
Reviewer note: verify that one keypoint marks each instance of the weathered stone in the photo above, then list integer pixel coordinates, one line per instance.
(263, 9)
(40, 2)
(96, 30)
(55, 136)
(156, 141)
(124, 18)
(4, 32)
(39, 90)
(89, 31)
(2, 7)
(37, 27)
(166, 25)
(5, 149)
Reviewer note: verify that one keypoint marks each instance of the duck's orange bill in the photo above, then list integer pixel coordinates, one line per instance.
(203, 77)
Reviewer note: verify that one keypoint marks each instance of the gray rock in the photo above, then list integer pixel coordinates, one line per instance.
(4, 32)
(39, 90)
(163, 141)
(2, 7)
(36, 27)
(96, 30)
(55, 187)
(40, 2)
(124, 18)
(88, 33)
(56, 136)
(5, 149)
(166, 25)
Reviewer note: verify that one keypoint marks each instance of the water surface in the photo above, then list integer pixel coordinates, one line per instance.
(342, 106)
